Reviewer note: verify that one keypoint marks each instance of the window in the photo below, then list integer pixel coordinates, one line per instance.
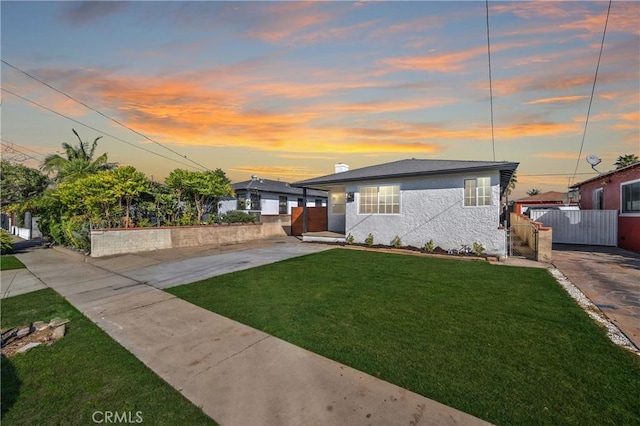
(598, 199)
(251, 203)
(379, 199)
(630, 193)
(318, 202)
(300, 202)
(282, 204)
(337, 203)
(477, 192)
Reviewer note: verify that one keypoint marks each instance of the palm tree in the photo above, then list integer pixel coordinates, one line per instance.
(79, 161)
(532, 192)
(626, 160)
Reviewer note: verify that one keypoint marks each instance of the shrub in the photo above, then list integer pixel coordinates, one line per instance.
(237, 216)
(478, 249)
(350, 239)
(396, 242)
(429, 246)
(6, 246)
(369, 240)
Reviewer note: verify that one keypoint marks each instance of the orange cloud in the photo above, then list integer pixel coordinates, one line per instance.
(445, 62)
(556, 99)
(290, 173)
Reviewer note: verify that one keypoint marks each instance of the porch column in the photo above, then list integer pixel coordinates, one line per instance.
(304, 210)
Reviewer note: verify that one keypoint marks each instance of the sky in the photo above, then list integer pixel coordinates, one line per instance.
(285, 90)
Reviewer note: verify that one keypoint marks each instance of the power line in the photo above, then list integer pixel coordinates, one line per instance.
(493, 141)
(103, 115)
(593, 89)
(94, 129)
(11, 143)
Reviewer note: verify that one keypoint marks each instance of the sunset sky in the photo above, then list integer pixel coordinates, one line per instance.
(286, 89)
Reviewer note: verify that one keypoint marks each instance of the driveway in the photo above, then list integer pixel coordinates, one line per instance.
(609, 277)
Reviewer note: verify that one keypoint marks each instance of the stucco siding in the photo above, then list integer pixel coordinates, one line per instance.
(431, 208)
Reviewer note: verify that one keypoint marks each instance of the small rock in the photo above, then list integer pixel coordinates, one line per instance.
(58, 333)
(23, 332)
(39, 325)
(28, 347)
(57, 322)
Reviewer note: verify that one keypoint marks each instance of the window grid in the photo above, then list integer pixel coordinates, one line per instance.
(379, 200)
(477, 192)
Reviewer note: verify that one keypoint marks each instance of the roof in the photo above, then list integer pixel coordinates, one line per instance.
(413, 168)
(550, 196)
(275, 186)
(609, 173)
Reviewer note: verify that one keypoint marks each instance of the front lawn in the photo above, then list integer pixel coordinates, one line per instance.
(85, 372)
(505, 344)
(10, 262)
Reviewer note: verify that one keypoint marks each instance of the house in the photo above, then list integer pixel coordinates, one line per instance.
(452, 203)
(269, 197)
(550, 199)
(616, 190)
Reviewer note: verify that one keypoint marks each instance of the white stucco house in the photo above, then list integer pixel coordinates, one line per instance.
(269, 197)
(453, 203)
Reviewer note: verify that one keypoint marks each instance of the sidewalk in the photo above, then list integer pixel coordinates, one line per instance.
(237, 374)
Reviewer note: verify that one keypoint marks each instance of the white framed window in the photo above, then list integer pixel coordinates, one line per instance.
(598, 199)
(630, 197)
(384, 199)
(477, 192)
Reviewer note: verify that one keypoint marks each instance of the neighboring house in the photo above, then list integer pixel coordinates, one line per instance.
(545, 199)
(453, 203)
(616, 190)
(269, 197)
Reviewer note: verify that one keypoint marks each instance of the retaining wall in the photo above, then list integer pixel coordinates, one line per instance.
(107, 242)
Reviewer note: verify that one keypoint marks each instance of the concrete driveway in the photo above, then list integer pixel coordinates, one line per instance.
(609, 277)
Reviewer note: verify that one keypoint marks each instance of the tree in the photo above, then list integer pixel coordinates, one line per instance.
(79, 161)
(20, 183)
(626, 160)
(128, 183)
(202, 188)
(533, 192)
(512, 184)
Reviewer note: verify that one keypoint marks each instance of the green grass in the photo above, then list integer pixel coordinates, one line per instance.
(10, 262)
(84, 372)
(505, 344)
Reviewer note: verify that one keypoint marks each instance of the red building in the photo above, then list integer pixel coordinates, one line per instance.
(545, 199)
(616, 190)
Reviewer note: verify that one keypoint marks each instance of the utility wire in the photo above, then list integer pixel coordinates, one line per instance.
(103, 115)
(593, 89)
(493, 140)
(94, 129)
(11, 143)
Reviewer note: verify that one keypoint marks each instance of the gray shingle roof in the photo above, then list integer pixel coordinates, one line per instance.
(274, 186)
(409, 168)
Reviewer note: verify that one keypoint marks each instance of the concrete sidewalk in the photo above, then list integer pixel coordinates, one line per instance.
(237, 374)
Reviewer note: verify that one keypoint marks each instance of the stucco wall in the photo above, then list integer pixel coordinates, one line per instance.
(431, 208)
(119, 241)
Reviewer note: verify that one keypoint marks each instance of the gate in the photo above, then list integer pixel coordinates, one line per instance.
(590, 227)
(522, 240)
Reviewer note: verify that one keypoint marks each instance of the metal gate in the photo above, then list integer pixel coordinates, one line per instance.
(590, 227)
(522, 241)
